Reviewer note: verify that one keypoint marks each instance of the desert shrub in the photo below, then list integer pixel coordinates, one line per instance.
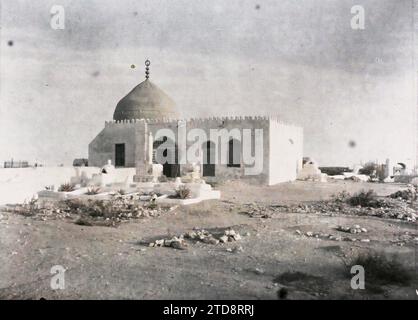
(182, 192)
(333, 171)
(72, 204)
(152, 205)
(93, 208)
(368, 169)
(66, 187)
(364, 199)
(289, 277)
(100, 208)
(303, 280)
(29, 208)
(408, 194)
(380, 270)
(82, 221)
(93, 191)
(342, 196)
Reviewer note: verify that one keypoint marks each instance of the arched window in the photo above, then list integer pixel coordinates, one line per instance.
(234, 153)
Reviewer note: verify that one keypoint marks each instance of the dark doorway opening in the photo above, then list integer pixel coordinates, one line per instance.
(119, 155)
(171, 168)
(209, 159)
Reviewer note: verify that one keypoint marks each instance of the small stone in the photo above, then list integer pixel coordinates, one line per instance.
(365, 240)
(223, 239)
(210, 240)
(177, 244)
(238, 249)
(258, 271)
(363, 230)
(237, 237)
(309, 233)
(230, 232)
(298, 232)
(159, 243)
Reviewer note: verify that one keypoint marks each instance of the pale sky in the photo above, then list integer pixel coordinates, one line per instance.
(353, 91)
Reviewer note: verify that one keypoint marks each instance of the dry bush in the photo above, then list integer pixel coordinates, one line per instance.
(92, 191)
(93, 208)
(82, 221)
(29, 208)
(380, 270)
(342, 196)
(182, 192)
(368, 169)
(66, 187)
(365, 199)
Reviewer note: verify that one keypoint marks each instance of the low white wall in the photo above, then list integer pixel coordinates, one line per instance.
(17, 185)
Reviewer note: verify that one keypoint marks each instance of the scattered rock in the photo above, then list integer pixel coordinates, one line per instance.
(199, 235)
(175, 242)
(258, 271)
(395, 207)
(354, 229)
(223, 239)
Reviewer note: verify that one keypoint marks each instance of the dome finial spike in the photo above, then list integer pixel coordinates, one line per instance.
(147, 64)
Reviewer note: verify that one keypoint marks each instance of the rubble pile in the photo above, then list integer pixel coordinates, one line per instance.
(201, 235)
(327, 236)
(174, 242)
(229, 236)
(256, 210)
(387, 207)
(409, 194)
(354, 229)
(117, 209)
(405, 239)
(43, 212)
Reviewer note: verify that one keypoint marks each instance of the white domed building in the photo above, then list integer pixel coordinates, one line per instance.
(146, 130)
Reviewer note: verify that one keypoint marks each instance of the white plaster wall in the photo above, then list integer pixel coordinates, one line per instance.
(102, 147)
(280, 159)
(222, 171)
(285, 152)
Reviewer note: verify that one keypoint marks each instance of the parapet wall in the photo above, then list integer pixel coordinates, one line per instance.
(196, 121)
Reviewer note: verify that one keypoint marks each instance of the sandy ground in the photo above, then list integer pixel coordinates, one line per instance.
(113, 263)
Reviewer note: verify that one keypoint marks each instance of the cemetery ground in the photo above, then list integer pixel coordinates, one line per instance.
(284, 249)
